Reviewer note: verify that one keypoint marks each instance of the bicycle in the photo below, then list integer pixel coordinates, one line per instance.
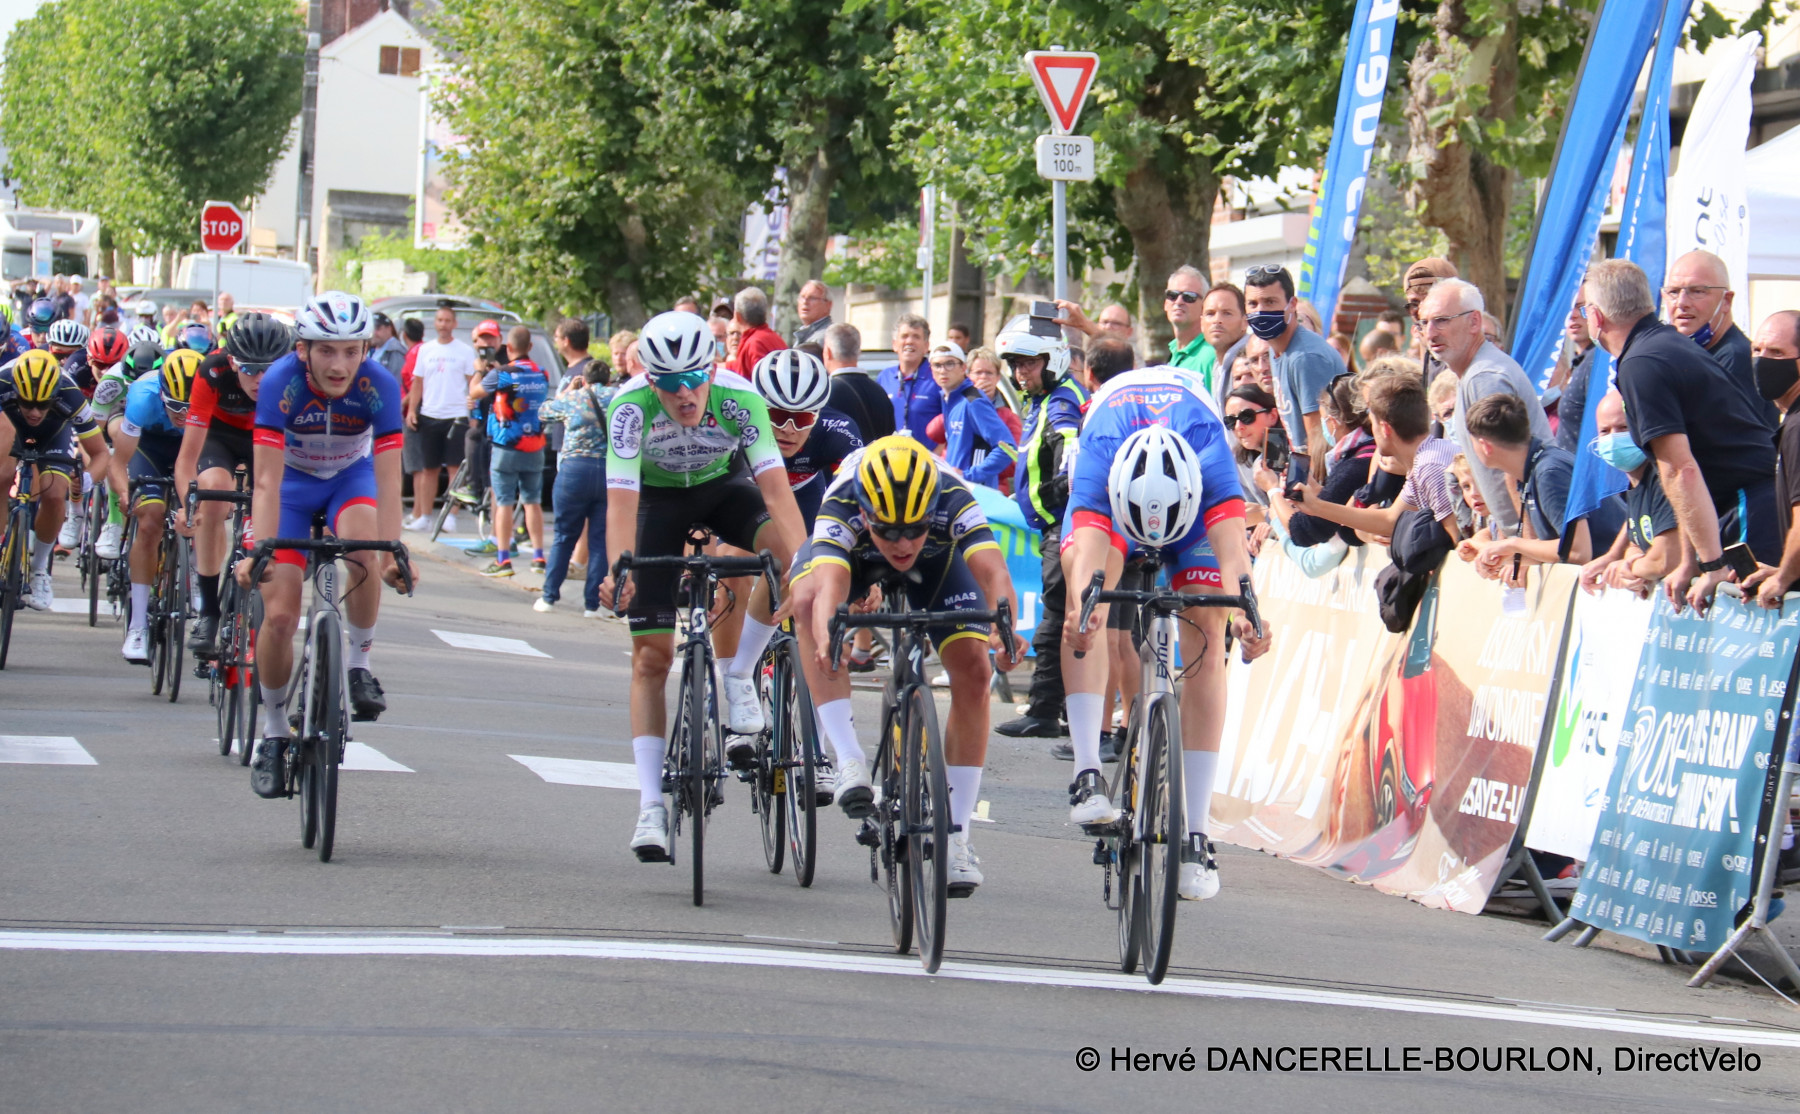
(1144, 846)
(484, 518)
(310, 762)
(93, 568)
(694, 764)
(171, 583)
(230, 670)
(908, 833)
(785, 779)
(21, 511)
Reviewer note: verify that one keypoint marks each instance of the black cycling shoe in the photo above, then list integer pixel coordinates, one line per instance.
(1033, 727)
(366, 699)
(1109, 748)
(265, 768)
(200, 639)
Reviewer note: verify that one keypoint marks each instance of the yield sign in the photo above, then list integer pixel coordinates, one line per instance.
(1062, 79)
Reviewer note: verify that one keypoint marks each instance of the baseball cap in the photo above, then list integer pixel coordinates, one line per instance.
(950, 348)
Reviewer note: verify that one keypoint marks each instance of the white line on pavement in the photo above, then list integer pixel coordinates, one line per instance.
(1567, 1017)
(490, 643)
(580, 771)
(73, 607)
(44, 750)
(362, 756)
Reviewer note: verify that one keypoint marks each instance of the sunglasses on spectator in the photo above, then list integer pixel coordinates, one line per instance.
(1266, 270)
(900, 532)
(673, 383)
(1188, 296)
(795, 420)
(1245, 416)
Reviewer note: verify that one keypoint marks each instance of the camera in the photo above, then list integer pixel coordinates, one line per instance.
(1043, 320)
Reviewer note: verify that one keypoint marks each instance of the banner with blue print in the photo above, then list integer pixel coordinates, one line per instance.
(1360, 93)
(1673, 858)
(1022, 546)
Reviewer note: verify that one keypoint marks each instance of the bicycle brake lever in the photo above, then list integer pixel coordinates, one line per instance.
(1089, 598)
(837, 636)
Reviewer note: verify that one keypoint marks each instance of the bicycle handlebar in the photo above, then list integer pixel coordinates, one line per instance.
(1162, 599)
(332, 548)
(843, 622)
(763, 564)
(198, 494)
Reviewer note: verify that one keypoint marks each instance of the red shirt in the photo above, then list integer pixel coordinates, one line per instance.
(758, 341)
(406, 369)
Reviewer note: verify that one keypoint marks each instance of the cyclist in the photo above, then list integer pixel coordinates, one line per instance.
(217, 441)
(38, 317)
(327, 442)
(13, 343)
(895, 510)
(146, 437)
(1154, 469)
(813, 438)
(196, 336)
(106, 346)
(143, 358)
(688, 446)
(143, 331)
(67, 342)
(46, 413)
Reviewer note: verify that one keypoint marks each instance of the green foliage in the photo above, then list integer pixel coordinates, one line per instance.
(141, 112)
(452, 271)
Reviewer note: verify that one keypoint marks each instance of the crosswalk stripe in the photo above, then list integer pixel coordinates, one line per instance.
(362, 756)
(491, 643)
(75, 607)
(580, 771)
(44, 750)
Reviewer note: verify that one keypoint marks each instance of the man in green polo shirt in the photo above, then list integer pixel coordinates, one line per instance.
(1182, 300)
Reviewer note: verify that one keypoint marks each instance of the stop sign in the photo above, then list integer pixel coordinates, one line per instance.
(221, 226)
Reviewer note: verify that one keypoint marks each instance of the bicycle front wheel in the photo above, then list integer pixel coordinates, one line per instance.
(802, 766)
(443, 512)
(1125, 860)
(695, 710)
(1161, 823)
(12, 582)
(325, 723)
(772, 781)
(178, 586)
(927, 814)
(889, 819)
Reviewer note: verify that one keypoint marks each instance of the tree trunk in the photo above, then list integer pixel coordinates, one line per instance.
(809, 185)
(1457, 190)
(1169, 216)
(165, 263)
(624, 296)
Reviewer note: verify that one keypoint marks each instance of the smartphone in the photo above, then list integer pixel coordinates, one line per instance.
(1741, 560)
(1276, 452)
(1043, 319)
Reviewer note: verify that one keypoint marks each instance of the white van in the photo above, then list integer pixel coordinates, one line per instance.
(251, 281)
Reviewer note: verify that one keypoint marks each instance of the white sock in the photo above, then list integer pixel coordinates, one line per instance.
(140, 607)
(648, 752)
(751, 644)
(965, 790)
(1084, 728)
(1198, 768)
(40, 554)
(275, 721)
(357, 640)
(839, 729)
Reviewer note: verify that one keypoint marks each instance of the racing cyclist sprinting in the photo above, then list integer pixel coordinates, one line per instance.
(142, 358)
(146, 438)
(46, 413)
(327, 441)
(675, 436)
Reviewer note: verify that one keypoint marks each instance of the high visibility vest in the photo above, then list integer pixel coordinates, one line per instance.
(1048, 450)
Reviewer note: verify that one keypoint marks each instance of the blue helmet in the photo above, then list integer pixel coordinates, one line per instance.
(196, 336)
(39, 316)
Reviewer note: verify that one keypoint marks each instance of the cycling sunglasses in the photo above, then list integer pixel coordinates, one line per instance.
(672, 383)
(252, 370)
(795, 420)
(901, 532)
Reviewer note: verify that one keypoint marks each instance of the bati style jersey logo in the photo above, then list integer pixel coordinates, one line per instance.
(627, 431)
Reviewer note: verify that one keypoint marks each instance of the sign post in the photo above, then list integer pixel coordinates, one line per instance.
(221, 231)
(1063, 78)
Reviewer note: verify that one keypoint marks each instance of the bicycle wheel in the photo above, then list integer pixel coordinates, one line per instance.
(888, 818)
(772, 781)
(802, 782)
(443, 512)
(92, 568)
(326, 721)
(11, 579)
(175, 598)
(927, 813)
(306, 785)
(698, 677)
(1125, 859)
(221, 690)
(156, 636)
(252, 702)
(1162, 824)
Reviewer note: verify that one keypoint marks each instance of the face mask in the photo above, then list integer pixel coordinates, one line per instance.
(1774, 377)
(1704, 337)
(1620, 451)
(1269, 324)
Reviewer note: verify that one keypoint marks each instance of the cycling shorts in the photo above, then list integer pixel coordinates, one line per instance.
(1134, 578)
(941, 582)
(730, 506)
(1190, 560)
(305, 496)
(227, 447)
(154, 462)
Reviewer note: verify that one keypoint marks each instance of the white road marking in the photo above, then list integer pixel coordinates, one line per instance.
(44, 750)
(1565, 1017)
(580, 771)
(70, 606)
(362, 756)
(490, 643)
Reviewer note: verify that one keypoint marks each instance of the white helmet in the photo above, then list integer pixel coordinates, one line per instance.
(334, 315)
(141, 333)
(68, 334)
(676, 342)
(1155, 487)
(791, 380)
(1019, 341)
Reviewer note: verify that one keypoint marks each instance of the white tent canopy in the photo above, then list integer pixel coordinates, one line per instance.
(1774, 195)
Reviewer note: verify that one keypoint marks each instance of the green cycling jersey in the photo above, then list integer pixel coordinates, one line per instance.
(646, 447)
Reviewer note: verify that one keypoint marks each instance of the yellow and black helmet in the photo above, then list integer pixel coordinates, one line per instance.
(36, 377)
(178, 371)
(896, 481)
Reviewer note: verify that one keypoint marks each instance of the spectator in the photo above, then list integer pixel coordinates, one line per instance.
(1308, 316)
(515, 393)
(1250, 412)
(1442, 396)
(814, 307)
(1571, 405)
(1499, 429)
(1181, 305)
(752, 307)
(976, 442)
(1776, 356)
(1451, 318)
(1490, 328)
(616, 346)
(414, 331)
(1340, 343)
(1712, 451)
(1376, 343)
(1303, 364)
(438, 402)
(63, 300)
(1697, 299)
(1114, 320)
(959, 334)
(580, 493)
(199, 313)
(910, 387)
(687, 303)
(227, 313)
(571, 339)
(1421, 277)
(1222, 322)
(984, 372)
(853, 393)
(720, 323)
(171, 315)
(1649, 548)
(105, 288)
(1346, 419)
(1255, 364)
(82, 302)
(387, 350)
(734, 339)
(1479, 520)
(1394, 324)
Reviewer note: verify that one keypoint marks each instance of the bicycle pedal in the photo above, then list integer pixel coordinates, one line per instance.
(959, 889)
(1102, 854)
(668, 784)
(746, 775)
(868, 835)
(652, 855)
(1100, 831)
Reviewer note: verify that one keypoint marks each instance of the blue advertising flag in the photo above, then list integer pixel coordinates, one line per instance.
(1578, 182)
(1360, 93)
(1641, 240)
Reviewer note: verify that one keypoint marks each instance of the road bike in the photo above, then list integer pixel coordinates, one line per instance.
(1144, 847)
(230, 669)
(311, 759)
(15, 548)
(93, 567)
(785, 778)
(171, 585)
(483, 511)
(694, 764)
(908, 832)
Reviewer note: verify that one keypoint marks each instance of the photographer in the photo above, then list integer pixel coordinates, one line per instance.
(1346, 419)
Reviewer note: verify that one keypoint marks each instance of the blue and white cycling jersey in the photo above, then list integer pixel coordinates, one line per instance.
(145, 417)
(321, 436)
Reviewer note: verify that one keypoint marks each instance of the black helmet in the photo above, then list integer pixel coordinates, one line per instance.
(258, 338)
(145, 356)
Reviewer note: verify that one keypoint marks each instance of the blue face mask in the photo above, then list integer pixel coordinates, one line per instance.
(1620, 451)
(1269, 324)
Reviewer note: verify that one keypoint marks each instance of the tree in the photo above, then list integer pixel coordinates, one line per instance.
(142, 112)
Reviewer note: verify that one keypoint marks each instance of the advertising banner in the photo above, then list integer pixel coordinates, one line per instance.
(1606, 634)
(1020, 543)
(1672, 861)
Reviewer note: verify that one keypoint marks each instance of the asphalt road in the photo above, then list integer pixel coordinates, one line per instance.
(483, 940)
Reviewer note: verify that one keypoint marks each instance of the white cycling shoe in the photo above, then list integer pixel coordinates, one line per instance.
(651, 838)
(1088, 802)
(1199, 873)
(851, 789)
(42, 593)
(135, 650)
(110, 541)
(965, 868)
(743, 708)
(70, 534)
